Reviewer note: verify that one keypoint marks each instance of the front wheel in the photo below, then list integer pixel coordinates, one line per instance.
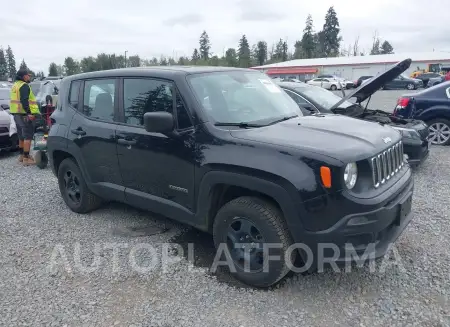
(410, 86)
(333, 87)
(74, 190)
(439, 131)
(248, 230)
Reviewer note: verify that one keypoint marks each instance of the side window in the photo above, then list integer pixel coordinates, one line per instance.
(99, 99)
(73, 93)
(182, 115)
(145, 95)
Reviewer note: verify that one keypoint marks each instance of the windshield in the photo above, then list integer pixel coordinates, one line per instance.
(35, 87)
(322, 97)
(47, 88)
(241, 96)
(4, 94)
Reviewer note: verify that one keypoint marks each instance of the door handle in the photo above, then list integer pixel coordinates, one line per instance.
(78, 132)
(126, 142)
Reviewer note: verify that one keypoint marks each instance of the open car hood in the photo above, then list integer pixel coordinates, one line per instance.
(375, 83)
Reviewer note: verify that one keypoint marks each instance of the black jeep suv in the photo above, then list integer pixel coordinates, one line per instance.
(227, 151)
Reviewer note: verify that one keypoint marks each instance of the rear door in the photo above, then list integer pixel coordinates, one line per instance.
(92, 131)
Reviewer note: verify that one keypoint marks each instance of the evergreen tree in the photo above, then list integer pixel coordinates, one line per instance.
(3, 65)
(11, 62)
(195, 56)
(205, 46)
(23, 65)
(231, 58)
(386, 48)
(40, 75)
(244, 52)
(308, 44)
(331, 38)
(298, 50)
(163, 61)
(53, 69)
(261, 52)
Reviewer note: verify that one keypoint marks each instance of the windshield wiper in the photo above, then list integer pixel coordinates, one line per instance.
(282, 119)
(240, 125)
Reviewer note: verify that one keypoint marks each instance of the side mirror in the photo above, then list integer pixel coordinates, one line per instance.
(5, 107)
(158, 122)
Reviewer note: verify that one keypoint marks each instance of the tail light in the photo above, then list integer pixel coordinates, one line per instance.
(402, 102)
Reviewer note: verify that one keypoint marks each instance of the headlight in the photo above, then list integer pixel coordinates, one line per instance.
(408, 132)
(350, 175)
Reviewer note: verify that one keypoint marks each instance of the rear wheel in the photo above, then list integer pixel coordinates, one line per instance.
(244, 228)
(439, 131)
(74, 190)
(410, 86)
(333, 87)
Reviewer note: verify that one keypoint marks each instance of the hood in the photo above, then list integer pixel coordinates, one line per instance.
(5, 118)
(375, 83)
(340, 137)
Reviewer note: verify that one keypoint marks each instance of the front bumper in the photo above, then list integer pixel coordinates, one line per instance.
(417, 151)
(7, 142)
(365, 234)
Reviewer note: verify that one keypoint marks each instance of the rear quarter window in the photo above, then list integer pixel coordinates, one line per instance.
(74, 92)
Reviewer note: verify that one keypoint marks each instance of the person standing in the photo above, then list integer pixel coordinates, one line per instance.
(24, 108)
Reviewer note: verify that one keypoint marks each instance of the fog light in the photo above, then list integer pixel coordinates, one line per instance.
(358, 221)
(405, 157)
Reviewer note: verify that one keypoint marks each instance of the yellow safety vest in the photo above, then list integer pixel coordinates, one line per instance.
(15, 106)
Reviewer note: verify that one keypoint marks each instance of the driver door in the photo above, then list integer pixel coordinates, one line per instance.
(157, 170)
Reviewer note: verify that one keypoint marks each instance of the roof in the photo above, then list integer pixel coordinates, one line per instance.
(361, 60)
(157, 70)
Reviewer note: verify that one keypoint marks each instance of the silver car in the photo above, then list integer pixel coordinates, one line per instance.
(7, 126)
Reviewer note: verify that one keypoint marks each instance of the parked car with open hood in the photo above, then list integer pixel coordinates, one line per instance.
(431, 105)
(227, 151)
(314, 100)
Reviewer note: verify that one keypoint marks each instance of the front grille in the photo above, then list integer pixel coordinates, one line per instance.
(4, 130)
(387, 164)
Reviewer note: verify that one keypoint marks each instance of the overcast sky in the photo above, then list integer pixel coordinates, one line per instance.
(44, 31)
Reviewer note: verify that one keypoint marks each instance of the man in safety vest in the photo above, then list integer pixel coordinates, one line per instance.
(24, 107)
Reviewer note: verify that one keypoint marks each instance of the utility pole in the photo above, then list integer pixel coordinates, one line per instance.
(126, 58)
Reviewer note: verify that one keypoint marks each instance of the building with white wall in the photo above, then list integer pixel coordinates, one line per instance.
(352, 68)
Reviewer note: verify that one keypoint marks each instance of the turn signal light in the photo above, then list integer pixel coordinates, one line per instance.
(325, 175)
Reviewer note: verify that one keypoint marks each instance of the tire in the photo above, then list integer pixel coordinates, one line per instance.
(14, 143)
(269, 221)
(444, 125)
(410, 86)
(333, 87)
(83, 201)
(41, 159)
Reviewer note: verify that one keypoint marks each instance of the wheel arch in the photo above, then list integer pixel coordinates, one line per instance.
(218, 187)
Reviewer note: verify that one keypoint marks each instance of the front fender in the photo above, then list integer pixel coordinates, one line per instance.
(267, 187)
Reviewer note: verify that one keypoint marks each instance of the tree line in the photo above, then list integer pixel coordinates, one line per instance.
(326, 42)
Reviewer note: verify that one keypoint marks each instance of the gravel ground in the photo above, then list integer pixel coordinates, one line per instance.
(89, 290)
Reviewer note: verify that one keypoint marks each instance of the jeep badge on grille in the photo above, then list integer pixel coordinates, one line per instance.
(387, 140)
